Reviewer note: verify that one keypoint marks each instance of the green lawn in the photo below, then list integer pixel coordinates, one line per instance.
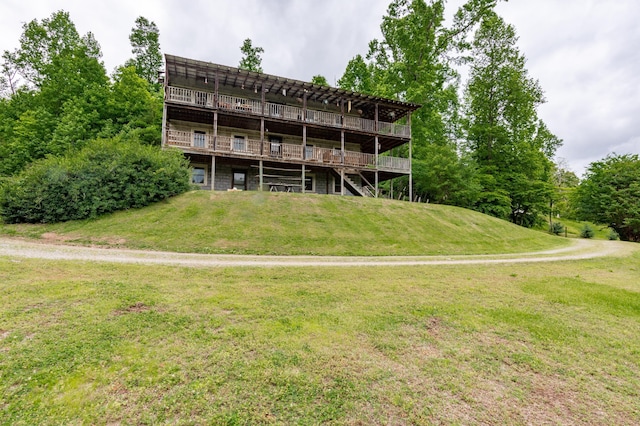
(281, 223)
(553, 343)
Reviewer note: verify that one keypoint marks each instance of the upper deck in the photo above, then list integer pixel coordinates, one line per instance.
(210, 86)
(259, 108)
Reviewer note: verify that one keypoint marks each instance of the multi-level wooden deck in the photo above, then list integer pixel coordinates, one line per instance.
(295, 153)
(237, 126)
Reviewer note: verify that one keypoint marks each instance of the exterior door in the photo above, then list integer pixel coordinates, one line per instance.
(239, 144)
(308, 152)
(199, 138)
(239, 180)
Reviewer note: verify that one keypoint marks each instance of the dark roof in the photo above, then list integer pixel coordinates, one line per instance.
(192, 69)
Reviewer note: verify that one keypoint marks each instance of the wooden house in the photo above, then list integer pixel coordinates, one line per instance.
(253, 131)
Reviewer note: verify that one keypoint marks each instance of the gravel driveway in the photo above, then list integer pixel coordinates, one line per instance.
(19, 248)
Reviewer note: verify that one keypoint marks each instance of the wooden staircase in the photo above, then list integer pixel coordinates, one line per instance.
(355, 187)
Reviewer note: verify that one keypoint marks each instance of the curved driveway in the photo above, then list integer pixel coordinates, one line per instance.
(18, 248)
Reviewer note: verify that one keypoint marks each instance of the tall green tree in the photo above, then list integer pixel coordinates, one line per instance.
(43, 44)
(68, 99)
(415, 62)
(145, 45)
(510, 144)
(62, 103)
(610, 194)
(251, 59)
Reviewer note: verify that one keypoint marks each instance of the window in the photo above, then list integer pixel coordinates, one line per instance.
(198, 175)
(198, 138)
(239, 143)
(239, 180)
(276, 146)
(309, 182)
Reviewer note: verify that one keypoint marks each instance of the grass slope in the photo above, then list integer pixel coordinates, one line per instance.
(295, 224)
(92, 343)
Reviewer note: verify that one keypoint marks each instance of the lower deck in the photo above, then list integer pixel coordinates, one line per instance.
(227, 174)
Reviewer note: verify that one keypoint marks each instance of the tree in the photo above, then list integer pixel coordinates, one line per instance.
(134, 109)
(68, 99)
(503, 133)
(56, 60)
(565, 183)
(610, 194)
(251, 60)
(320, 80)
(42, 43)
(414, 61)
(443, 177)
(145, 43)
(358, 77)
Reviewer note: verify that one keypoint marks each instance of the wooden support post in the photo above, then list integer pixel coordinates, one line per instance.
(410, 162)
(342, 149)
(215, 130)
(341, 146)
(215, 90)
(262, 103)
(215, 112)
(261, 174)
(304, 141)
(213, 172)
(304, 125)
(304, 106)
(391, 189)
(376, 119)
(303, 180)
(377, 150)
(261, 136)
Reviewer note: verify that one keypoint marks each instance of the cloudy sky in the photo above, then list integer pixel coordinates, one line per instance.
(585, 53)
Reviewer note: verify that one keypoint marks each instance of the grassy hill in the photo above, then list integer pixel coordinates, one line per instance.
(100, 343)
(297, 224)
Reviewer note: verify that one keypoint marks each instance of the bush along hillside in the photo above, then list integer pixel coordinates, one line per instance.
(105, 176)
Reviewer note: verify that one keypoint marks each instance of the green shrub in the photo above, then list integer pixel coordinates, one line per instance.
(557, 228)
(105, 176)
(587, 231)
(613, 235)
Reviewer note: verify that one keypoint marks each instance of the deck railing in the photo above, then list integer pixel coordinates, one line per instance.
(393, 163)
(243, 147)
(286, 112)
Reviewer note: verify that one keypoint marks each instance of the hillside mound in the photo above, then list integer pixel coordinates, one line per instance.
(298, 224)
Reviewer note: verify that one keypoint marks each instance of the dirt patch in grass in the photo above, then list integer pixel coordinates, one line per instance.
(53, 237)
(135, 308)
